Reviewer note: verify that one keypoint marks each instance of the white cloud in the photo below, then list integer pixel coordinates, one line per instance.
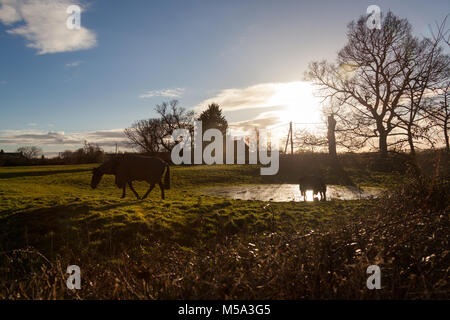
(265, 120)
(8, 12)
(43, 24)
(264, 95)
(256, 96)
(292, 100)
(105, 138)
(172, 93)
(73, 64)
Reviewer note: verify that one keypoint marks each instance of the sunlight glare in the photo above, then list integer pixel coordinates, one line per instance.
(297, 103)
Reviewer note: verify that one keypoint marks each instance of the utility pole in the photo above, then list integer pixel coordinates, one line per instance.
(289, 138)
(287, 141)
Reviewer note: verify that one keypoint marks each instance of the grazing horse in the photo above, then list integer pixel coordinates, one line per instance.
(316, 184)
(129, 168)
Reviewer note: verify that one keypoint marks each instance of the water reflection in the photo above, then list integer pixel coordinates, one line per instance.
(289, 192)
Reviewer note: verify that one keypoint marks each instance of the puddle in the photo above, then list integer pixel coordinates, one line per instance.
(289, 192)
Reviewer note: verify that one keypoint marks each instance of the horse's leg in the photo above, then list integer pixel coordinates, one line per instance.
(132, 189)
(161, 186)
(148, 191)
(124, 188)
(304, 195)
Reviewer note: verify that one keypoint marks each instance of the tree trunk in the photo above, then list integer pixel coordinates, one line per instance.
(447, 144)
(332, 137)
(412, 150)
(382, 142)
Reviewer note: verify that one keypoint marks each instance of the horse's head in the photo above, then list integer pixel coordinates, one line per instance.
(96, 177)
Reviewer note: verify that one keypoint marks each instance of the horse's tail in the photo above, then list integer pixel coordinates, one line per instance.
(167, 178)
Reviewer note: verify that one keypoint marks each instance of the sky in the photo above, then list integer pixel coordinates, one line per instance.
(59, 87)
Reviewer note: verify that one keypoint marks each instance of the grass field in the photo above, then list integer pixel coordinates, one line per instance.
(53, 207)
(50, 218)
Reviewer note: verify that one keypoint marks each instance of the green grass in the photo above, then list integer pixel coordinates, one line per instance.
(52, 208)
(195, 246)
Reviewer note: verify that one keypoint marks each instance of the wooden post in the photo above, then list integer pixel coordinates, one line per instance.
(292, 144)
(287, 140)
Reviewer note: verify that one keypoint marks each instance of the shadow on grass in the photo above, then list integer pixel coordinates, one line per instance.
(9, 175)
(50, 229)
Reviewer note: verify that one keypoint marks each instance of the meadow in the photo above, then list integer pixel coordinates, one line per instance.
(195, 246)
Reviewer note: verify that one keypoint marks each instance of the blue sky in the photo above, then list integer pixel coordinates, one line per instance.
(132, 55)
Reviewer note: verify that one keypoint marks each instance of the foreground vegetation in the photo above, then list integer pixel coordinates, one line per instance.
(194, 246)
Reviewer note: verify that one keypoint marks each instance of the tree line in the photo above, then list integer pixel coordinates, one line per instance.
(33, 155)
(154, 135)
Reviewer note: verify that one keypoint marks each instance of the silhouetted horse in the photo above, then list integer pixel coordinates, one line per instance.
(316, 184)
(129, 168)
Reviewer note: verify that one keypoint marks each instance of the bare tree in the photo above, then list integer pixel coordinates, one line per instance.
(428, 72)
(441, 33)
(438, 104)
(89, 153)
(305, 140)
(340, 138)
(368, 76)
(31, 152)
(145, 135)
(155, 135)
(342, 127)
(439, 110)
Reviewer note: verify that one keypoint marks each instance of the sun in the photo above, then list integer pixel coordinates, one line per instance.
(297, 103)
